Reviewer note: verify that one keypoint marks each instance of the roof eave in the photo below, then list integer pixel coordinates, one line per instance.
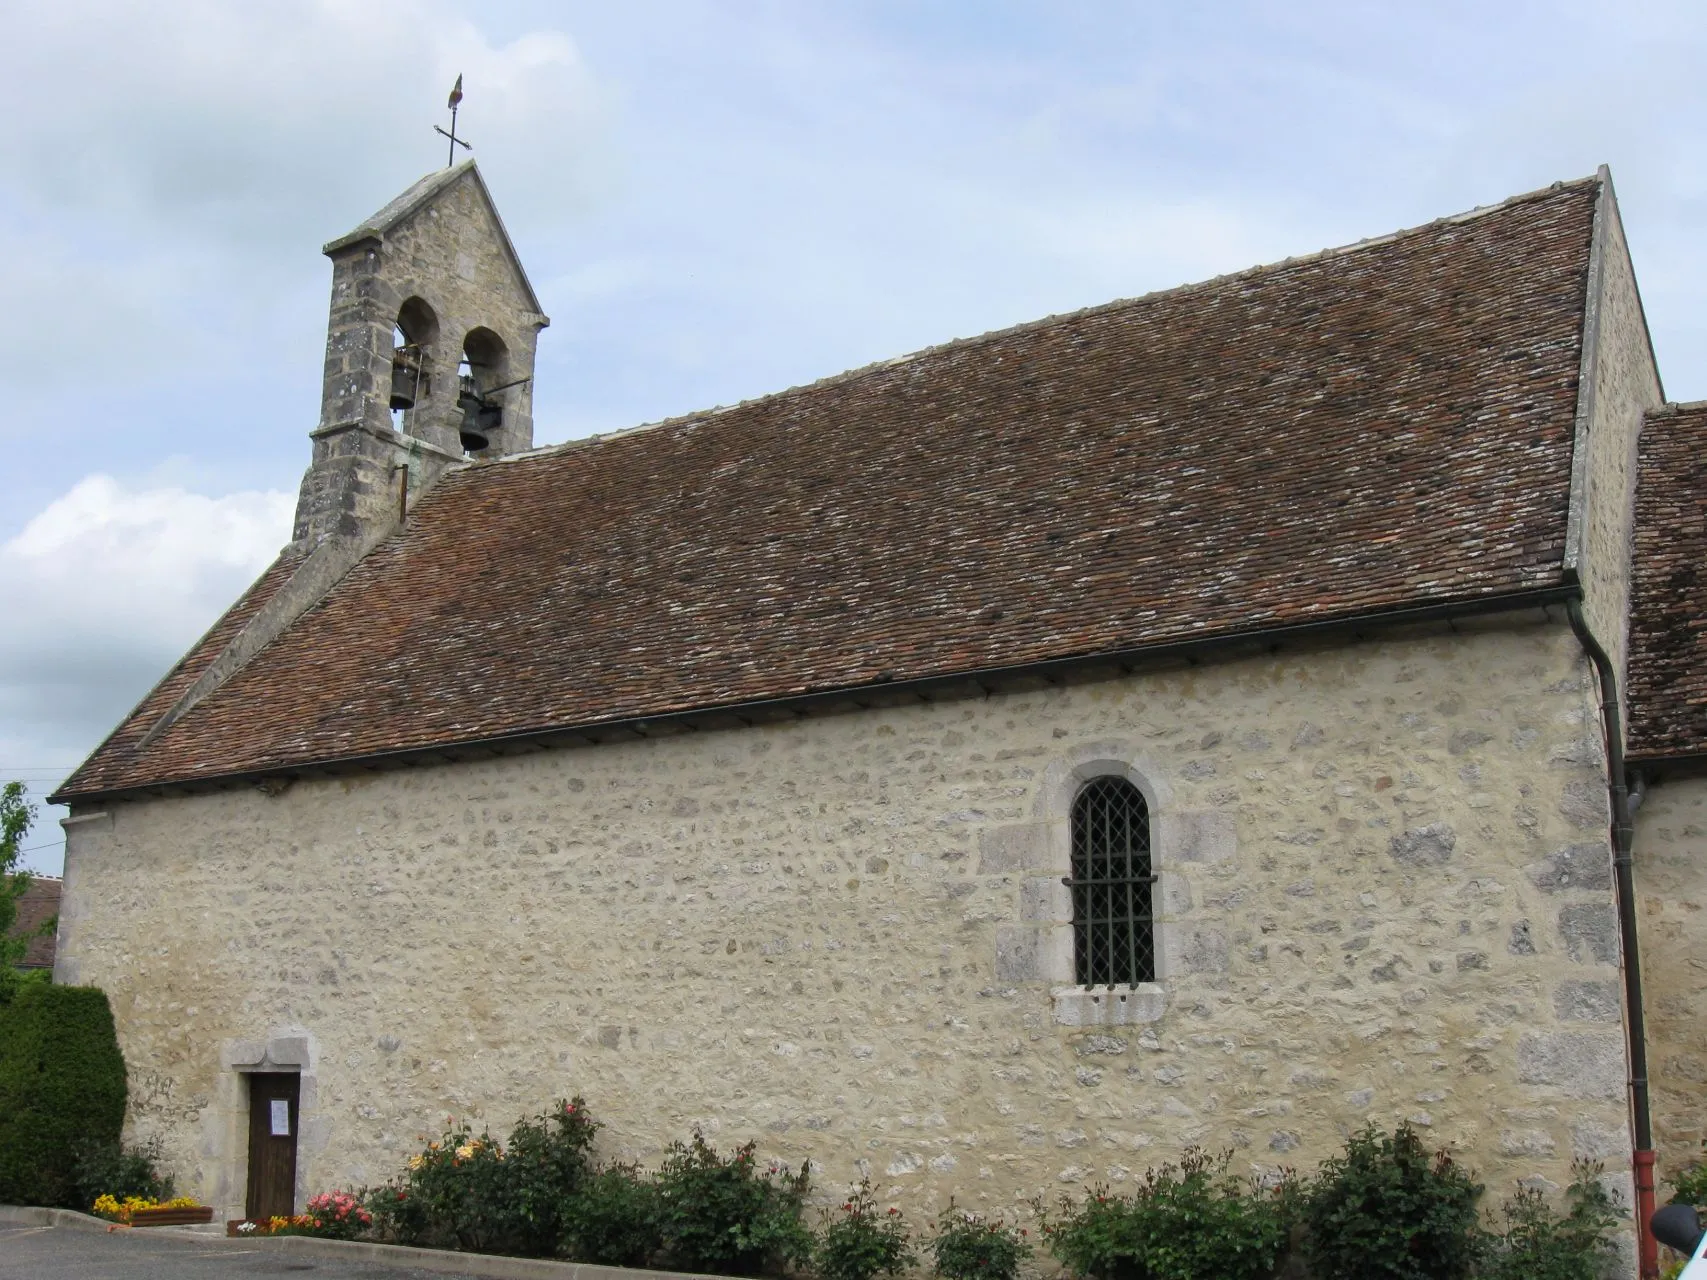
(982, 679)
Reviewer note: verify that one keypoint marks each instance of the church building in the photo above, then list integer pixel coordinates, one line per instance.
(1223, 717)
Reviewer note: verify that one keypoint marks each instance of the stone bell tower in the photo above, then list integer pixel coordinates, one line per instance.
(429, 356)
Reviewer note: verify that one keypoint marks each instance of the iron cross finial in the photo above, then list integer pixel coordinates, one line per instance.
(455, 142)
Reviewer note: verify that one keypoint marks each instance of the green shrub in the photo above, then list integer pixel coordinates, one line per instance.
(969, 1246)
(1191, 1221)
(547, 1159)
(473, 1193)
(1539, 1245)
(113, 1169)
(858, 1242)
(1689, 1185)
(1387, 1208)
(395, 1218)
(453, 1196)
(722, 1217)
(62, 1089)
(612, 1219)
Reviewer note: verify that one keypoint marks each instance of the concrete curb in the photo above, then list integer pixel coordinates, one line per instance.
(479, 1264)
(396, 1255)
(32, 1216)
(36, 1216)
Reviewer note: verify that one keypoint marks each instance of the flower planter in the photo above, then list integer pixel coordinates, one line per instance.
(171, 1217)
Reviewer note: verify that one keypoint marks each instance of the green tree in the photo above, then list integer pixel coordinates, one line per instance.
(16, 814)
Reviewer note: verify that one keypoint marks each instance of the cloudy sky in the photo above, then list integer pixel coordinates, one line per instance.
(714, 200)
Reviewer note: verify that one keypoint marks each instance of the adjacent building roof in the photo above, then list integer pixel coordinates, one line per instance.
(1370, 428)
(39, 904)
(1667, 682)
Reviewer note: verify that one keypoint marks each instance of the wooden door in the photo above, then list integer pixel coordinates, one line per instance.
(272, 1146)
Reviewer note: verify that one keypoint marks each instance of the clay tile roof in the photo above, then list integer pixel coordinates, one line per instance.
(121, 743)
(39, 904)
(1370, 428)
(1667, 682)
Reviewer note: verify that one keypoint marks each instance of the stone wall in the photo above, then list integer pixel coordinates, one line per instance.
(1623, 384)
(1671, 888)
(1385, 896)
(453, 256)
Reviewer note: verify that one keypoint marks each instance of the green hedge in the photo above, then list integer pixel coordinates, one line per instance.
(62, 1086)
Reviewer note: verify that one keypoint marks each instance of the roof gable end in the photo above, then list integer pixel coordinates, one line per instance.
(428, 191)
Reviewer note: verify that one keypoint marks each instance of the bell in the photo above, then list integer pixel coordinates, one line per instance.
(480, 418)
(480, 422)
(405, 376)
(469, 401)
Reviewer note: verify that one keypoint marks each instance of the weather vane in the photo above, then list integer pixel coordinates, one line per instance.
(455, 142)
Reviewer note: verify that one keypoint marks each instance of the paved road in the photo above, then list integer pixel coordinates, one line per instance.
(60, 1253)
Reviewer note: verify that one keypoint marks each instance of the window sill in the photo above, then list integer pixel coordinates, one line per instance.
(1109, 1006)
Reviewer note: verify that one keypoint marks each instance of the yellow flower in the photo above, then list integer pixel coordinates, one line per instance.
(109, 1206)
(466, 1151)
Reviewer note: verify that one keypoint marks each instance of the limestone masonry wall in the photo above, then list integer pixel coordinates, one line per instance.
(452, 255)
(1671, 889)
(1626, 384)
(450, 258)
(1386, 894)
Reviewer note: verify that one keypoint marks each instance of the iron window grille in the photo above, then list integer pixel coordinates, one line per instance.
(1114, 932)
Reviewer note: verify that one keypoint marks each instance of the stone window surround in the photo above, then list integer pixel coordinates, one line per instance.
(1039, 949)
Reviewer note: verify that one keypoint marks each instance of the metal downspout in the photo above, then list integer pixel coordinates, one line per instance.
(1624, 881)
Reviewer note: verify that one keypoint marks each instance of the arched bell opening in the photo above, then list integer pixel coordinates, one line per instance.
(412, 337)
(484, 377)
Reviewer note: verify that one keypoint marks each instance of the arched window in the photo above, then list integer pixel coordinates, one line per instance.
(416, 330)
(1114, 930)
(485, 377)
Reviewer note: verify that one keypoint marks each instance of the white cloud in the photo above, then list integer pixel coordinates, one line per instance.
(234, 119)
(107, 586)
(163, 200)
(149, 556)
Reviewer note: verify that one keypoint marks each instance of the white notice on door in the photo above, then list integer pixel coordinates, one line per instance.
(281, 1118)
